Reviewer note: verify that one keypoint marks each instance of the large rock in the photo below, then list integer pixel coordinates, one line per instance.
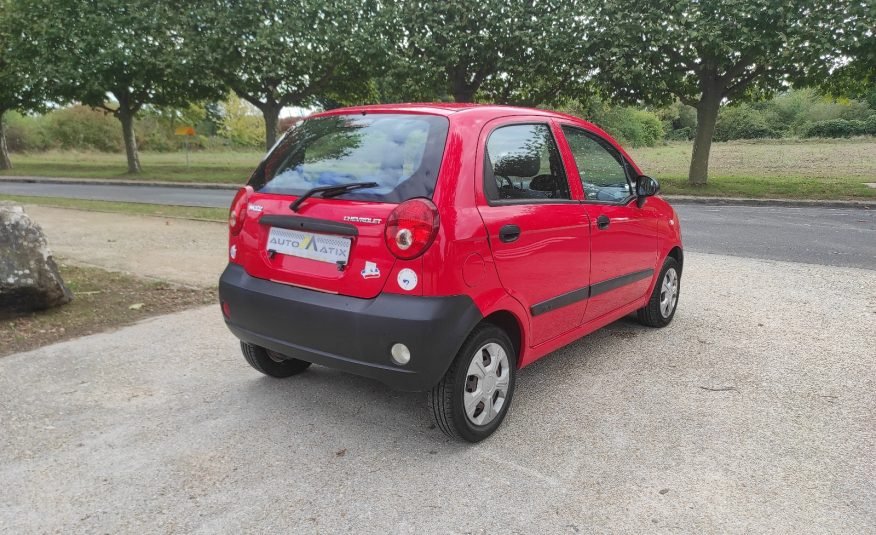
(29, 278)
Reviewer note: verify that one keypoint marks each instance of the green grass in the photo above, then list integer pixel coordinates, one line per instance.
(218, 167)
(811, 169)
(770, 168)
(158, 210)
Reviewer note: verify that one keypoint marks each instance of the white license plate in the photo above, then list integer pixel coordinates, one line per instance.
(319, 247)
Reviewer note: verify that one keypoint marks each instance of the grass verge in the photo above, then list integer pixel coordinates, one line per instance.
(770, 188)
(133, 208)
(804, 169)
(232, 167)
(807, 169)
(102, 300)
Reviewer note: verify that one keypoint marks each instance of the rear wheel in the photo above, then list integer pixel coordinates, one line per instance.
(473, 398)
(270, 362)
(664, 299)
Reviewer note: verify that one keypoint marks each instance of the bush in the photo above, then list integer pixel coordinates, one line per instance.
(25, 133)
(680, 134)
(742, 122)
(82, 128)
(839, 128)
(870, 125)
(242, 124)
(629, 126)
(637, 128)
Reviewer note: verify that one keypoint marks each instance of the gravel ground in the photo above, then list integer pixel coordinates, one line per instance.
(176, 250)
(753, 412)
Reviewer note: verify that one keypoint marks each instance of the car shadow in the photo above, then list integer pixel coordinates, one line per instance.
(326, 397)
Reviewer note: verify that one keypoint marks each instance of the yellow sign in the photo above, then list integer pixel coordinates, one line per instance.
(185, 131)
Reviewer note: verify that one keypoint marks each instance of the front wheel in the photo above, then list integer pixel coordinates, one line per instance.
(664, 299)
(473, 398)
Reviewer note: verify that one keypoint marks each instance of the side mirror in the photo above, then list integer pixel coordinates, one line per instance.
(645, 187)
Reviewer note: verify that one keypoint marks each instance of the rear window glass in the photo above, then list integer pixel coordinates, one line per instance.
(401, 153)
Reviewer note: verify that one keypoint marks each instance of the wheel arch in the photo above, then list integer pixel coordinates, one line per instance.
(508, 322)
(678, 254)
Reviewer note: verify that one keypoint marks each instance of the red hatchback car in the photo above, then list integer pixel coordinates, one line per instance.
(441, 248)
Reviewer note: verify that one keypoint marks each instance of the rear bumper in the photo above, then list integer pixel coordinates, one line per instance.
(350, 334)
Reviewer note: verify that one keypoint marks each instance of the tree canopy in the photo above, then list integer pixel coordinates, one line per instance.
(274, 53)
(516, 51)
(22, 78)
(122, 56)
(711, 52)
(131, 51)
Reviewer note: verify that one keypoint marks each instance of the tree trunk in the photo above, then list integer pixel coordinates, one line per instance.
(271, 113)
(5, 162)
(707, 117)
(460, 88)
(463, 95)
(127, 119)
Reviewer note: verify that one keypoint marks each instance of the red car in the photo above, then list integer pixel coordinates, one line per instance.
(441, 248)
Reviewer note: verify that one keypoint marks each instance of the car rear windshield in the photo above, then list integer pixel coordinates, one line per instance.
(400, 152)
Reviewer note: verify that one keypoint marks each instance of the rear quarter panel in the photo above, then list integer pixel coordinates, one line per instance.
(460, 261)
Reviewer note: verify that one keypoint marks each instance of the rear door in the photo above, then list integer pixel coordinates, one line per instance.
(336, 244)
(623, 236)
(538, 234)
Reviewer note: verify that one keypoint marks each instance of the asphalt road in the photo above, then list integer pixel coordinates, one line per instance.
(751, 413)
(825, 236)
(218, 198)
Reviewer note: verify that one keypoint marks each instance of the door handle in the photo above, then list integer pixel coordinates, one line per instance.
(509, 233)
(602, 222)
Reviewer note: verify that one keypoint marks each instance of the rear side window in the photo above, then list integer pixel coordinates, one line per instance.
(400, 152)
(522, 163)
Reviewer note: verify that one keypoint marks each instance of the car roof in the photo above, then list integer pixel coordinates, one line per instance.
(449, 108)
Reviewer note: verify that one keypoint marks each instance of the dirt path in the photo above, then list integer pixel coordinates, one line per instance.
(177, 250)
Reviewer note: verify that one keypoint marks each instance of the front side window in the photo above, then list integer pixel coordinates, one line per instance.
(522, 163)
(602, 169)
(401, 153)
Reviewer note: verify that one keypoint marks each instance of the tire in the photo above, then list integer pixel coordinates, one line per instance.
(498, 375)
(658, 313)
(271, 363)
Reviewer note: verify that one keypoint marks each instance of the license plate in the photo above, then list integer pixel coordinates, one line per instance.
(319, 247)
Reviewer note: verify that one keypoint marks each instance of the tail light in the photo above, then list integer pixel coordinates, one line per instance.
(238, 210)
(411, 228)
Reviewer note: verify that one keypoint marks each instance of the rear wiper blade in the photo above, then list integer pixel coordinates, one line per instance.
(330, 191)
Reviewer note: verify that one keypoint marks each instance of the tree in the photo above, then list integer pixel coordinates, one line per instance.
(22, 86)
(517, 51)
(275, 53)
(131, 51)
(856, 75)
(714, 52)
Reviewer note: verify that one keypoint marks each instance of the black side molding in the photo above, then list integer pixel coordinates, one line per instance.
(294, 222)
(617, 282)
(587, 292)
(560, 301)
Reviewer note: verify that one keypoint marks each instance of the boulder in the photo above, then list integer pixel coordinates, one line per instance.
(29, 278)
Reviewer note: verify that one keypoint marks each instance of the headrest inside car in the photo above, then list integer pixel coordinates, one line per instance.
(522, 164)
(543, 183)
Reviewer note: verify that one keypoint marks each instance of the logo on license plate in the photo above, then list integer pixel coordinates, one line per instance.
(306, 245)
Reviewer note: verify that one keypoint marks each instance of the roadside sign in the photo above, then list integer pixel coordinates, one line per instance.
(187, 131)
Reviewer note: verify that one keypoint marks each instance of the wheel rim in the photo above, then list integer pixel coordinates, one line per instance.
(669, 292)
(276, 357)
(486, 384)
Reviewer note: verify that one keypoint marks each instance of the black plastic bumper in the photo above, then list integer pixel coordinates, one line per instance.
(348, 333)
